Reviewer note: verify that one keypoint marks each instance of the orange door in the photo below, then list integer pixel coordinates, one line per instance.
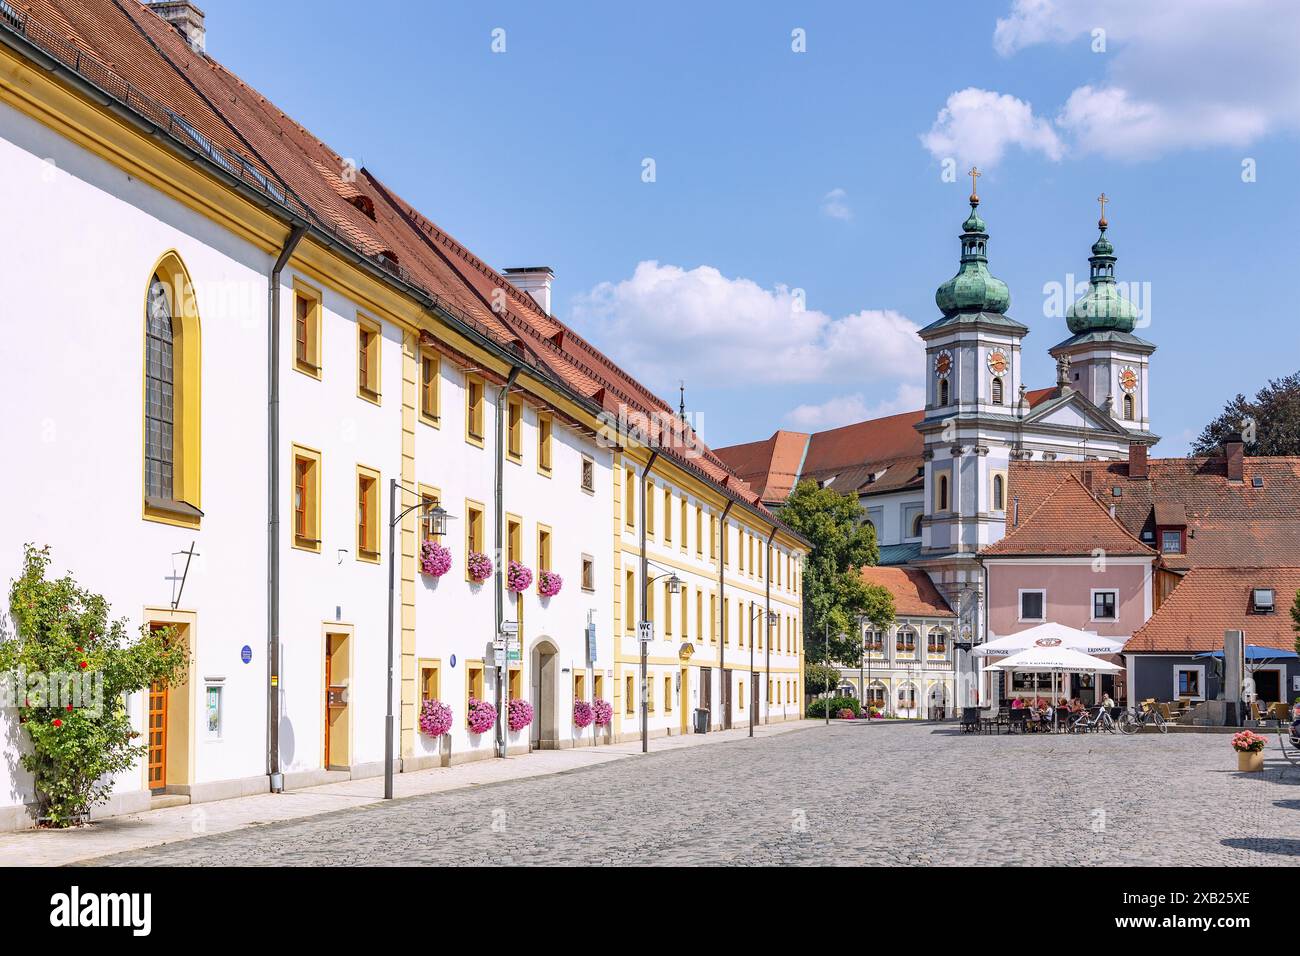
(157, 736)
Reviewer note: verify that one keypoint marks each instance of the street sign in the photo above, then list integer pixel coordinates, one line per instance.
(645, 631)
(591, 643)
(510, 628)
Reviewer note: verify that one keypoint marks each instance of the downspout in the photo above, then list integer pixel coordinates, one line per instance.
(273, 511)
(767, 615)
(724, 700)
(503, 673)
(645, 600)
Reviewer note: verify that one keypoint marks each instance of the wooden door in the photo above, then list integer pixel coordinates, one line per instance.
(706, 689)
(684, 700)
(157, 763)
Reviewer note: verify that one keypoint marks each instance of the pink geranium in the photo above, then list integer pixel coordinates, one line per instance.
(603, 711)
(435, 559)
(519, 714)
(583, 714)
(482, 716)
(549, 584)
(435, 718)
(1248, 742)
(479, 566)
(518, 576)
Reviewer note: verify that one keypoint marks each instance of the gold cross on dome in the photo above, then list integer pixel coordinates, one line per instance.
(1103, 199)
(974, 174)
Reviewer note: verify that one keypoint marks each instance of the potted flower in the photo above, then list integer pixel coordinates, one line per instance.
(845, 713)
(518, 576)
(549, 584)
(479, 566)
(482, 716)
(519, 714)
(435, 559)
(583, 714)
(602, 711)
(435, 718)
(1250, 750)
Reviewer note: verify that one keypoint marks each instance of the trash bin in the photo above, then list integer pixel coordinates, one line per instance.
(701, 720)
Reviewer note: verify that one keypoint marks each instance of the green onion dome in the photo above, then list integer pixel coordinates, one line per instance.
(973, 288)
(1102, 308)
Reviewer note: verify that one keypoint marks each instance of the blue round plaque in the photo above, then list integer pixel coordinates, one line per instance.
(246, 654)
(453, 660)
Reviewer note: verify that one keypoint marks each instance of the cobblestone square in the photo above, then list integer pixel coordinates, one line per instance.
(849, 794)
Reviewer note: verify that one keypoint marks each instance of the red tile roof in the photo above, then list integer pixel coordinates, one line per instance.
(1229, 524)
(771, 466)
(118, 43)
(1069, 521)
(914, 593)
(1209, 601)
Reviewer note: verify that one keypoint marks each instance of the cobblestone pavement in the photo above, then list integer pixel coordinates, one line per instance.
(849, 794)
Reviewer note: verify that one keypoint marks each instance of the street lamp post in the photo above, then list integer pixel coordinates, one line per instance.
(770, 618)
(436, 524)
(674, 588)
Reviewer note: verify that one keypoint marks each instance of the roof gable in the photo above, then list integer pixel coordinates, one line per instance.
(1209, 601)
(1069, 521)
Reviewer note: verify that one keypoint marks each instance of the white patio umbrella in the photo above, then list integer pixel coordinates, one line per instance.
(1046, 656)
(1046, 636)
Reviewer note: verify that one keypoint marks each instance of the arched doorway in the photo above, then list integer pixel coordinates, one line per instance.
(544, 732)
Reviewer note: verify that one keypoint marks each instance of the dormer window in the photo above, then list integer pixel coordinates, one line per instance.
(1261, 600)
(1171, 541)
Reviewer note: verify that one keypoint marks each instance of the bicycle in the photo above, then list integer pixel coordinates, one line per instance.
(1100, 719)
(1131, 722)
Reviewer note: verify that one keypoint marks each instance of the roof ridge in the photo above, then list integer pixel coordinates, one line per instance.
(1051, 496)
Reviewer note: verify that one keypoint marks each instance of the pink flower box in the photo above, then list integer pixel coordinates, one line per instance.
(518, 577)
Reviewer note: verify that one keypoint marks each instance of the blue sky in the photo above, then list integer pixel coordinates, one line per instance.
(822, 171)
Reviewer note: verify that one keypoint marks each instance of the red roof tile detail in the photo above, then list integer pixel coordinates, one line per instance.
(1070, 521)
(1209, 601)
(914, 593)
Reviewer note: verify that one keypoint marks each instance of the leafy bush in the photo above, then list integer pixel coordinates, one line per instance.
(61, 631)
(817, 708)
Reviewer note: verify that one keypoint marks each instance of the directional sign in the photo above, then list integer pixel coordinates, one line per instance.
(510, 627)
(645, 631)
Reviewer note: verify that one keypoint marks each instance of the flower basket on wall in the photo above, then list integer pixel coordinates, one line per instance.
(583, 714)
(479, 566)
(482, 716)
(549, 584)
(518, 576)
(602, 711)
(519, 714)
(435, 559)
(435, 718)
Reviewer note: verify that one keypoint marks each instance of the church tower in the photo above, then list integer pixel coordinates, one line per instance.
(1106, 362)
(973, 376)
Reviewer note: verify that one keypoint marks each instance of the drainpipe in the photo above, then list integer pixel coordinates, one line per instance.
(725, 701)
(645, 601)
(767, 612)
(500, 508)
(273, 511)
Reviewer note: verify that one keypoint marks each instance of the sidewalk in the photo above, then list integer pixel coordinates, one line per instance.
(155, 827)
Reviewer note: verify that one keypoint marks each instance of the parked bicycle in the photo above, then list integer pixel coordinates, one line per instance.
(1132, 721)
(1098, 718)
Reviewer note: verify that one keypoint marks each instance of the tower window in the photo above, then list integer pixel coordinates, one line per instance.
(941, 494)
(1128, 407)
(943, 391)
(998, 493)
(997, 391)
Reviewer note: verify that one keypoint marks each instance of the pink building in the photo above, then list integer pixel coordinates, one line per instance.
(1068, 561)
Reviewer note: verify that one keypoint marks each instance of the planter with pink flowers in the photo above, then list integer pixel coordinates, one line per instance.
(549, 584)
(519, 714)
(435, 718)
(435, 559)
(583, 714)
(479, 566)
(1250, 751)
(518, 577)
(482, 716)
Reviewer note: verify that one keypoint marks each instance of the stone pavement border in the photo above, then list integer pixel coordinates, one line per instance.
(172, 824)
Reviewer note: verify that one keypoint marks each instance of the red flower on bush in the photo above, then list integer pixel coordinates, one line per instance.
(57, 722)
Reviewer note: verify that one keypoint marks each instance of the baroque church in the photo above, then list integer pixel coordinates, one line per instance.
(934, 482)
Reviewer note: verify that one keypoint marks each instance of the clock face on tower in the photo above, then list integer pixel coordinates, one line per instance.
(943, 363)
(998, 363)
(1128, 379)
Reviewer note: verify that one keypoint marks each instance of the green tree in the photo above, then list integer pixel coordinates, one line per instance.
(64, 638)
(1274, 415)
(834, 594)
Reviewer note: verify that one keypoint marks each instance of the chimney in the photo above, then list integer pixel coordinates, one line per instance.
(1234, 453)
(185, 17)
(1137, 460)
(536, 281)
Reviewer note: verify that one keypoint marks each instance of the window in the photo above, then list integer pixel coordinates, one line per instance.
(473, 531)
(1103, 605)
(1261, 600)
(598, 687)
(713, 537)
(306, 498)
(212, 709)
(876, 694)
(943, 391)
(713, 617)
(588, 573)
(629, 695)
(668, 516)
(699, 532)
(1171, 542)
(369, 337)
(874, 642)
(629, 499)
(941, 494)
(997, 390)
(937, 642)
(588, 474)
(543, 548)
(1128, 407)
(916, 526)
(906, 697)
(368, 516)
(515, 429)
(740, 551)
(629, 602)
(474, 410)
(999, 493)
(685, 510)
(306, 330)
(649, 492)
(430, 680)
(171, 390)
(685, 609)
(906, 641)
(515, 682)
(668, 694)
(429, 498)
(1032, 605)
(430, 393)
(668, 611)
(1188, 681)
(545, 425)
(740, 694)
(579, 685)
(699, 614)
(473, 681)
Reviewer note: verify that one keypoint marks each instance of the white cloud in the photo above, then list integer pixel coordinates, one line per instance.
(666, 323)
(978, 126)
(847, 409)
(1178, 73)
(835, 204)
